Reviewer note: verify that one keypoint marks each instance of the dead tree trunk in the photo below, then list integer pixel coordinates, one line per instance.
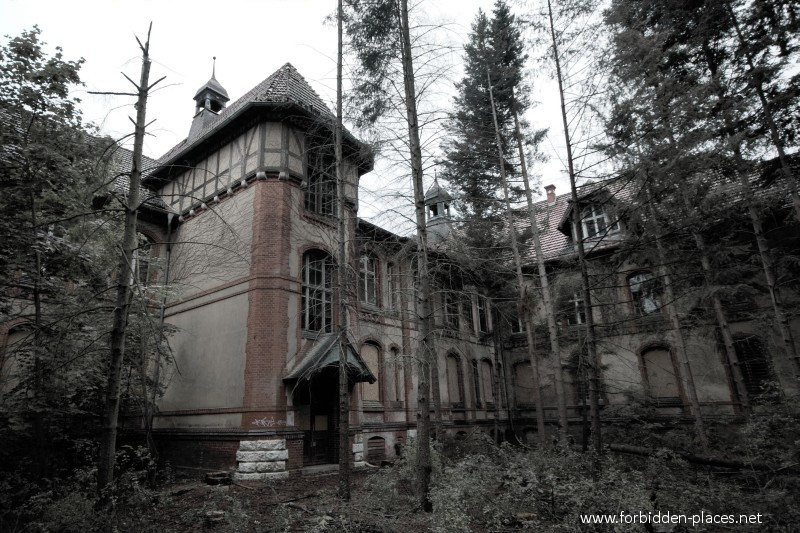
(547, 297)
(680, 342)
(344, 396)
(524, 310)
(426, 351)
(586, 293)
(721, 317)
(105, 461)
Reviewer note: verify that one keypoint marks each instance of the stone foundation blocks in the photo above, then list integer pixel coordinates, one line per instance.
(261, 460)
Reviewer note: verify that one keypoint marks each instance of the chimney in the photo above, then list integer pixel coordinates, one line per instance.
(551, 194)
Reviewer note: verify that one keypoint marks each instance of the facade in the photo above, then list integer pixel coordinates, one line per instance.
(241, 222)
(637, 345)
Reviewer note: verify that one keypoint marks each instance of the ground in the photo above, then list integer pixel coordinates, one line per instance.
(300, 503)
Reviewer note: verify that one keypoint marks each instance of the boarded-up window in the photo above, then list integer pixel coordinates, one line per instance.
(487, 382)
(662, 379)
(399, 375)
(376, 450)
(454, 384)
(523, 384)
(371, 392)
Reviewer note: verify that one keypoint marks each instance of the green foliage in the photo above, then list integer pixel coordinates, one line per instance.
(71, 504)
(495, 51)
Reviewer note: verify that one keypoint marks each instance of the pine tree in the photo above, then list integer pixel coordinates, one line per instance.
(495, 49)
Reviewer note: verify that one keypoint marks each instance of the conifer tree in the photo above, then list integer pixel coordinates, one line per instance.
(470, 163)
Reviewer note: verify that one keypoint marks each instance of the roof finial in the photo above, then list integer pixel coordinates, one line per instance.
(214, 68)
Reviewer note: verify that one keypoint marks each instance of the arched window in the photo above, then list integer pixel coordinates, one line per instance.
(371, 392)
(523, 385)
(455, 383)
(487, 381)
(316, 277)
(755, 365)
(367, 292)
(661, 377)
(644, 293)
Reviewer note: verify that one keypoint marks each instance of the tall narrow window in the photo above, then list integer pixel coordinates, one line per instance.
(142, 260)
(644, 293)
(483, 315)
(392, 286)
(576, 312)
(487, 381)
(450, 310)
(316, 304)
(366, 280)
(596, 223)
(523, 384)
(455, 386)
(466, 307)
(321, 188)
(399, 374)
(662, 378)
(371, 392)
(476, 383)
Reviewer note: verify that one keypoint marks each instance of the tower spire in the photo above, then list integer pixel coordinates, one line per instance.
(214, 68)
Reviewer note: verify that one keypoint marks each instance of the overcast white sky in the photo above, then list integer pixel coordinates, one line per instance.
(250, 38)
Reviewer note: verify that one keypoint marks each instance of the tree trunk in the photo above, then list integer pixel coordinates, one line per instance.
(105, 461)
(721, 317)
(591, 344)
(344, 396)
(524, 310)
(547, 297)
(680, 342)
(426, 350)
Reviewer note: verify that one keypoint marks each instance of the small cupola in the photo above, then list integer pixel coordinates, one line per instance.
(437, 206)
(210, 100)
(212, 96)
(437, 202)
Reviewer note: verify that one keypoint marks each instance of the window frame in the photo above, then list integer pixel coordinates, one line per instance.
(484, 323)
(316, 298)
(450, 310)
(368, 272)
(576, 315)
(594, 215)
(321, 185)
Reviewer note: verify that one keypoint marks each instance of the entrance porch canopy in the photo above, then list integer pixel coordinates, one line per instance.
(326, 353)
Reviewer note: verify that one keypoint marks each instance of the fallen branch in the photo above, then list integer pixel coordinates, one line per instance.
(699, 459)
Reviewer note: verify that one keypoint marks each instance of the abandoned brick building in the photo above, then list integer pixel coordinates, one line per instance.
(245, 233)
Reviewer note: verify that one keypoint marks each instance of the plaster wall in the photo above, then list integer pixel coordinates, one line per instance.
(209, 350)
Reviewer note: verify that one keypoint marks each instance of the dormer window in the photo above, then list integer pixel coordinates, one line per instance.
(596, 223)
